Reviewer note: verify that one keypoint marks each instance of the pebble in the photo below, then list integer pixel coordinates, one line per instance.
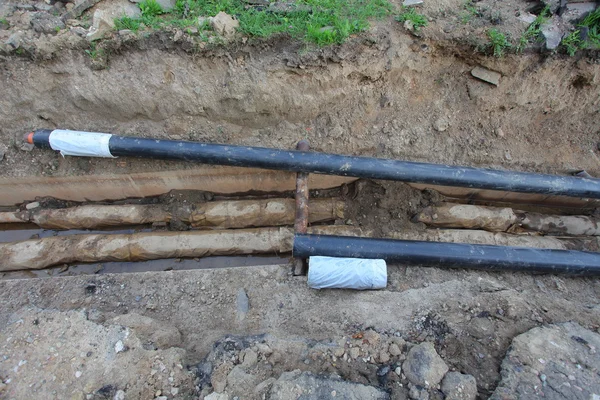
(78, 374)
(1, 155)
(120, 395)
(120, 347)
(398, 371)
(174, 391)
(33, 205)
(394, 349)
(354, 353)
(507, 155)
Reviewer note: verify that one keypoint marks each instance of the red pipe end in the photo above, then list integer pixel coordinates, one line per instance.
(28, 137)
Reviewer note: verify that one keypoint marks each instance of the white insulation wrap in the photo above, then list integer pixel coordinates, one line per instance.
(346, 273)
(75, 143)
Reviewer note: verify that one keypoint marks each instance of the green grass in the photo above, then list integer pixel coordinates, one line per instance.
(574, 42)
(498, 44)
(94, 52)
(534, 30)
(418, 20)
(132, 24)
(321, 22)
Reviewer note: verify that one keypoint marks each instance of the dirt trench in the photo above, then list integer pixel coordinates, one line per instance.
(388, 94)
(385, 94)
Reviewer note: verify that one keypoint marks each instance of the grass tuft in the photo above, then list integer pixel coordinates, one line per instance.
(418, 20)
(499, 44)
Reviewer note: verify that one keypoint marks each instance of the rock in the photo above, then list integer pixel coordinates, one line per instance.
(486, 75)
(224, 24)
(263, 387)
(120, 395)
(79, 8)
(441, 124)
(398, 371)
(418, 393)
(457, 386)
(394, 350)
(2, 154)
(556, 361)
(160, 334)
(165, 5)
(408, 3)
(372, 337)
(79, 31)
(384, 356)
(552, 32)
(120, 347)
(33, 205)
(15, 40)
(409, 25)
(264, 348)
(217, 396)
(240, 382)
(354, 353)
(339, 352)
(250, 358)
(294, 385)
(218, 379)
(423, 366)
(104, 17)
(42, 7)
(576, 11)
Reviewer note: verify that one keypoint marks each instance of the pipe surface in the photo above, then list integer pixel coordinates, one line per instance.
(333, 164)
(450, 255)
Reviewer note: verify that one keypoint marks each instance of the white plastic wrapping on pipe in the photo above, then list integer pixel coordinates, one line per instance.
(75, 143)
(346, 273)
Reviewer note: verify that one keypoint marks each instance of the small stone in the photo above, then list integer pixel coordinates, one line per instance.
(384, 356)
(507, 155)
(394, 350)
(409, 25)
(418, 393)
(78, 374)
(243, 304)
(33, 205)
(174, 391)
(15, 40)
(339, 352)
(264, 348)
(408, 3)
(120, 395)
(120, 347)
(423, 366)
(457, 386)
(398, 371)
(250, 358)
(441, 124)
(79, 31)
(500, 133)
(486, 75)
(354, 353)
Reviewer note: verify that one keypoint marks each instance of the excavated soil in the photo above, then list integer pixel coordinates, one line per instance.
(386, 93)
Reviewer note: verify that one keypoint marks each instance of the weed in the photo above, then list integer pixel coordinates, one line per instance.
(572, 42)
(534, 30)
(94, 52)
(57, 29)
(4, 21)
(150, 8)
(418, 20)
(586, 36)
(132, 24)
(498, 42)
(470, 11)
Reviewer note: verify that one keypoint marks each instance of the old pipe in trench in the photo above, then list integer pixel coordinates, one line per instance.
(107, 145)
(450, 255)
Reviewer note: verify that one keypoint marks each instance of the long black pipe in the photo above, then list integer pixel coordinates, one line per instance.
(450, 255)
(333, 164)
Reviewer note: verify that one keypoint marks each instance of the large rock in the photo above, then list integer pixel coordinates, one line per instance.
(165, 5)
(296, 384)
(224, 24)
(457, 386)
(43, 22)
(423, 365)
(551, 362)
(104, 17)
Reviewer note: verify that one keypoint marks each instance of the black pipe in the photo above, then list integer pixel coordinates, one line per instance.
(450, 255)
(361, 167)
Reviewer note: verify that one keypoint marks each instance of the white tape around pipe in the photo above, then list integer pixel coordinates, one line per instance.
(346, 273)
(75, 143)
